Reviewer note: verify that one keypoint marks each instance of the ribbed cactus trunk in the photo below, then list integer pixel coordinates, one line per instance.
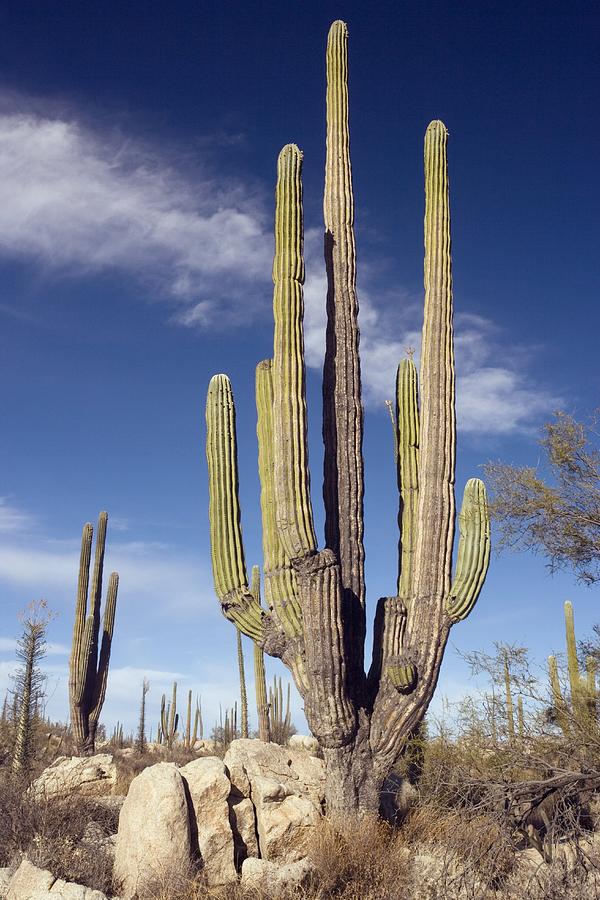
(88, 670)
(315, 617)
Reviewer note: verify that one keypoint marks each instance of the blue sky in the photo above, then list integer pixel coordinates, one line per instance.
(138, 145)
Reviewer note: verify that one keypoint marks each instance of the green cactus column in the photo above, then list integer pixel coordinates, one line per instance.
(88, 670)
(342, 408)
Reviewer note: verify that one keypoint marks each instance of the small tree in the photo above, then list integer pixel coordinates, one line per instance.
(554, 507)
(29, 682)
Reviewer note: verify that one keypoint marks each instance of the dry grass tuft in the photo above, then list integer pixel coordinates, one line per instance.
(360, 858)
(70, 839)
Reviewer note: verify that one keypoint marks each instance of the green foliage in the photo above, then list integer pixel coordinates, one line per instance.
(554, 507)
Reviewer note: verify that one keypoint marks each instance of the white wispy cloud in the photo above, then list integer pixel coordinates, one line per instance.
(166, 581)
(78, 200)
(13, 519)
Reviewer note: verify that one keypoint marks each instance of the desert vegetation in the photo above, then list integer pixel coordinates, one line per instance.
(497, 799)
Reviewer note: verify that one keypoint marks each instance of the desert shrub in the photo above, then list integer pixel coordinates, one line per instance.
(69, 837)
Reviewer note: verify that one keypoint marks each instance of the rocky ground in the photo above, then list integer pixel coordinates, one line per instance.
(251, 825)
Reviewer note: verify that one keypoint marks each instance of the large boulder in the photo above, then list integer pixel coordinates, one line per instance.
(31, 883)
(153, 841)
(286, 787)
(209, 789)
(90, 776)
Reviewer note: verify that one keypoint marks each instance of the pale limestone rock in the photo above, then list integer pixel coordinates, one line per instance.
(90, 776)
(204, 746)
(260, 874)
(243, 824)
(304, 742)
(286, 787)
(67, 890)
(209, 789)
(153, 840)
(29, 881)
(5, 876)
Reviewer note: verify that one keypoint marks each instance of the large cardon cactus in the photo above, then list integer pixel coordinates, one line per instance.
(315, 621)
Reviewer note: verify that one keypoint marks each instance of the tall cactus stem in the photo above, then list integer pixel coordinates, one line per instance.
(293, 508)
(343, 486)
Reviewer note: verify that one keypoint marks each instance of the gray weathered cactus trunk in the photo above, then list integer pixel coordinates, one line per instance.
(316, 620)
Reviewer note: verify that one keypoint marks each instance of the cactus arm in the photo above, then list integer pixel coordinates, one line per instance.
(435, 530)
(342, 410)
(427, 624)
(229, 567)
(407, 443)
(280, 580)
(473, 551)
(108, 627)
(79, 650)
(293, 507)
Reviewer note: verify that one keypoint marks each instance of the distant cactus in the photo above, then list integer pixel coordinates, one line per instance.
(315, 619)
(260, 681)
(581, 712)
(280, 717)
(169, 719)
(88, 670)
(243, 691)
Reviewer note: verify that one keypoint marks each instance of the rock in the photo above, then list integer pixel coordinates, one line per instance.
(67, 890)
(209, 789)
(204, 746)
(91, 776)
(29, 882)
(242, 818)
(5, 876)
(287, 790)
(304, 742)
(278, 880)
(153, 840)
(529, 859)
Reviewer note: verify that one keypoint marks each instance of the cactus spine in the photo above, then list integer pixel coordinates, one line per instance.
(88, 670)
(315, 617)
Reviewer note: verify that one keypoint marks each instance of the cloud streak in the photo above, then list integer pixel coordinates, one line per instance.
(75, 200)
